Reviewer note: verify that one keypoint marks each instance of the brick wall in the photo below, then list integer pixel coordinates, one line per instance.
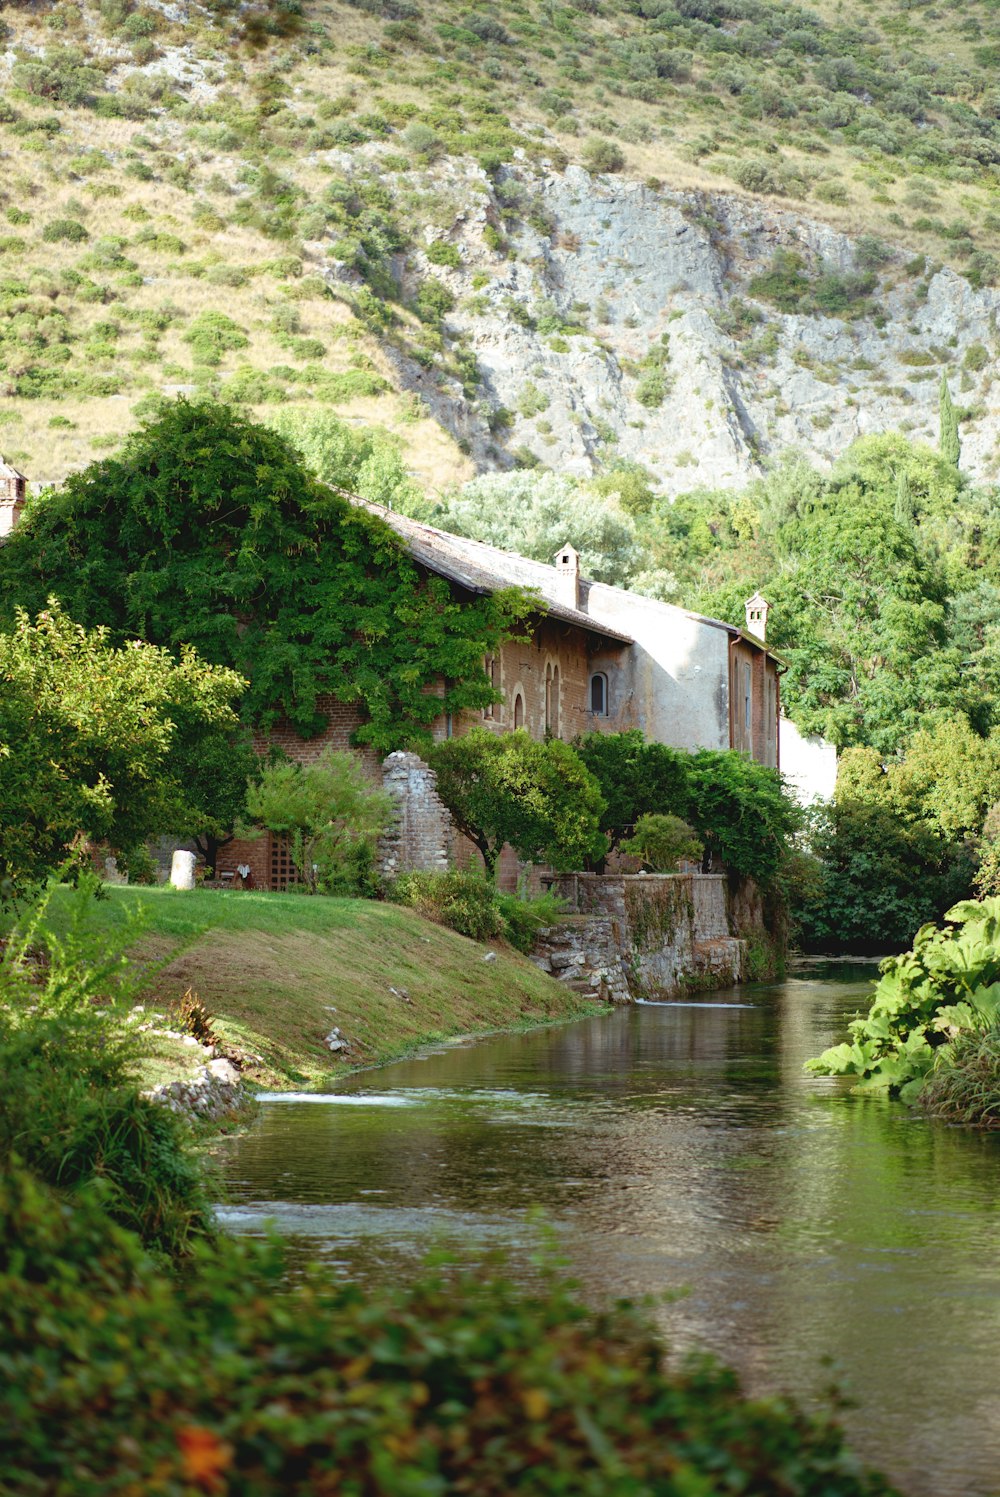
(342, 720)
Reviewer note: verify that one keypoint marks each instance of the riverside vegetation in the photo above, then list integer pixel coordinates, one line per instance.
(932, 1034)
(144, 1349)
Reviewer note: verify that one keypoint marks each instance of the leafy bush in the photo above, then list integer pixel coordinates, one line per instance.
(524, 916)
(662, 841)
(66, 229)
(441, 252)
(464, 901)
(212, 334)
(601, 156)
(325, 809)
(947, 986)
(229, 1379)
(963, 1085)
(69, 1108)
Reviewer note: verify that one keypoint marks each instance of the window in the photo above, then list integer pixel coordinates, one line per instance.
(772, 709)
(492, 667)
(599, 694)
(552, 700)
(518, 710)
(747, 696)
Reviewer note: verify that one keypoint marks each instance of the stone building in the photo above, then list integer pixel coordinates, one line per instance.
(13, 492)
(595, 658)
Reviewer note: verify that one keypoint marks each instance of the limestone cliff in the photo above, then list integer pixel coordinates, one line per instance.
(621, 322)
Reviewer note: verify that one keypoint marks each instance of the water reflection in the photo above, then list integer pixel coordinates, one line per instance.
(683, 1146)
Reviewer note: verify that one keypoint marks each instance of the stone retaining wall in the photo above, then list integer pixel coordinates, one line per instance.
(212, 1094)
(643, 936)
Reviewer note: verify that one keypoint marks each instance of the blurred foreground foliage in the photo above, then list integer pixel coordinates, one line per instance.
(119, 1377)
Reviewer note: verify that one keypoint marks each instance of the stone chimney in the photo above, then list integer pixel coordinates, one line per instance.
(567, 564)
(13, 491)
(757, 609)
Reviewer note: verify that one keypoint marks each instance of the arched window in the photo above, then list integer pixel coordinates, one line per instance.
(492, 667)
(518, 710)
(552, 700)
(599, 694)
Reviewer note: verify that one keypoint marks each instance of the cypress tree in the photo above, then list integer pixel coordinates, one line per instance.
(949, 442)
(904, 500)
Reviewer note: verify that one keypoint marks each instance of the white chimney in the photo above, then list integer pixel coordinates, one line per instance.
(757, 609)
(567, 564)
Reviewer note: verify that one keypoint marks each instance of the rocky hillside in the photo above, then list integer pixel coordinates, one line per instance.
(687, 234)
(697, 334)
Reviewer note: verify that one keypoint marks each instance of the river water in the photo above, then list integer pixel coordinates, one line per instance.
(682, 1148)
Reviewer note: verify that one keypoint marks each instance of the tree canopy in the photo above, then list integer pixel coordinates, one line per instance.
(536, 513)
(208, 530)
(97, 739)
(884, 576)
(506, 787)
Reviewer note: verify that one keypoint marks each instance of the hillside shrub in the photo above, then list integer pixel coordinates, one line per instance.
(600, 156)
(229, 1379)
(441, 252)
(946, 987)
(211, 334)
(66, 230)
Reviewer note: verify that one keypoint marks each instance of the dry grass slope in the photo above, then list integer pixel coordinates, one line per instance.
(160, 172)
(277, 972)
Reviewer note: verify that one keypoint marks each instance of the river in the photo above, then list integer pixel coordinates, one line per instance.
(682, 1148)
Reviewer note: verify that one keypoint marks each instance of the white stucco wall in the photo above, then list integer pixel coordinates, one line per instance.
(809, 764)
(676, 677)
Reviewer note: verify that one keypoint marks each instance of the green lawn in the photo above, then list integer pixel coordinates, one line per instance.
(278, 971)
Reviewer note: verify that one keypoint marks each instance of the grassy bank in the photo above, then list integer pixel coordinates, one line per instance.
(278, 971)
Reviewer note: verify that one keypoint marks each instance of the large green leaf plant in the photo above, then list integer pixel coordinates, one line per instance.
(947, 986)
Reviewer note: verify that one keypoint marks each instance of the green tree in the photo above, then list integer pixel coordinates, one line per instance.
(636, 779)
(662, 841)
(88, 733)
(948, 777)
(949, 441)
(505, 787)
(536, 513)
(366, 461)
(742, 812)
(327, 809)
(881, 876)
(208, 530)
(863, 624)
(903, 511)
(216, 775)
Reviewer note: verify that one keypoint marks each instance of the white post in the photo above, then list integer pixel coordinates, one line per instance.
(182, 869)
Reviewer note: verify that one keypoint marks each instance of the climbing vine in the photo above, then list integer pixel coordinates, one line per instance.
(207, 530)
